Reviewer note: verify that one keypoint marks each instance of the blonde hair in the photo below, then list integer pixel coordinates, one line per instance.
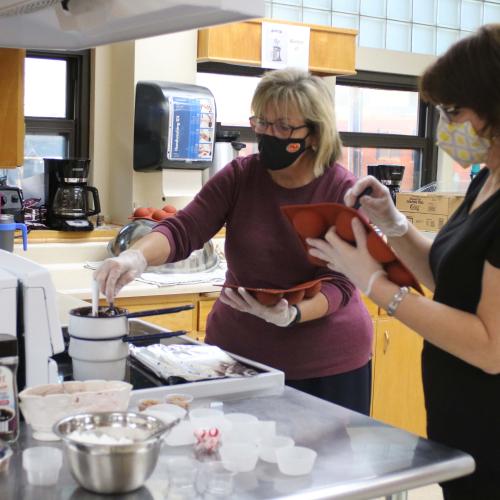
(288, 88)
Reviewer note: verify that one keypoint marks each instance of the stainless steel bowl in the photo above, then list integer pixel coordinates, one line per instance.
(200, 260)
(115, 468)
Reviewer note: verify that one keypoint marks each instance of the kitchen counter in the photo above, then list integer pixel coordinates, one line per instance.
(66, 264)
(358, 457)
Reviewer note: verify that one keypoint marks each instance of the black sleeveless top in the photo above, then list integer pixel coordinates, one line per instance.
(462, 401)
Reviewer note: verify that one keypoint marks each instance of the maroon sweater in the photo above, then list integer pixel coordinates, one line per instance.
(263, 250)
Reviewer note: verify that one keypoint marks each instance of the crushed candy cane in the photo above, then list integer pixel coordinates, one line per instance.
(207, 441)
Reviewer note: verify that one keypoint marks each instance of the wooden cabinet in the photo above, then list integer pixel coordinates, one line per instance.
(397, 396)
(331, 50)
(11, 107)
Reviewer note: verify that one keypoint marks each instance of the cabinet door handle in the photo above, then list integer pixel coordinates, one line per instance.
(387, 339)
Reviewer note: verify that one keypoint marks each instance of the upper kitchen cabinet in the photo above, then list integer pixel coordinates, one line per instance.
(11, 107)
(331, 50)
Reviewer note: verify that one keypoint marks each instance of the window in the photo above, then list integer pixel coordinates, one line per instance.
(382, 121)
(57, 86)
(380, 118)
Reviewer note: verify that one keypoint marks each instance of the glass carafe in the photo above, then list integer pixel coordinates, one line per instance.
(72, 202)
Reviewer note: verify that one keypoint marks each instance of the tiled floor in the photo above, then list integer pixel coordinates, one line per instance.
(432, 492)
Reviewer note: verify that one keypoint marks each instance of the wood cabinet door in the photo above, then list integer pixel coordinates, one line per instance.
(11, 107)
(397, 382)
(184, 320)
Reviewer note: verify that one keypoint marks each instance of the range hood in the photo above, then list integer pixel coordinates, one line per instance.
(82, 24)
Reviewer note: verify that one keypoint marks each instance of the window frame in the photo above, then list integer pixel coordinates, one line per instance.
(76, 124)
(426, 122)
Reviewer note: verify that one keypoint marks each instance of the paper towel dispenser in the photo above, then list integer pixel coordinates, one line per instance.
(174, 126)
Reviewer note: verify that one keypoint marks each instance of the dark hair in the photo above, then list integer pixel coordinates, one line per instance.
(468, 76)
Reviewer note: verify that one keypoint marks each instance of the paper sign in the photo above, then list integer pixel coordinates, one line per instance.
(191, 129)
(285, 45)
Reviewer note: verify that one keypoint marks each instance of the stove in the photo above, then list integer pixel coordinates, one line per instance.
(267, 381)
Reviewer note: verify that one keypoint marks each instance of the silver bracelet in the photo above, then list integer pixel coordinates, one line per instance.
(396, 300)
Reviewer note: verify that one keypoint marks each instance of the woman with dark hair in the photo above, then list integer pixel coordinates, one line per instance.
(461, 325)
(323, 343)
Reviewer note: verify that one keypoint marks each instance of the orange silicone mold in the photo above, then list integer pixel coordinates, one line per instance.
(313, 221)
(271, 296)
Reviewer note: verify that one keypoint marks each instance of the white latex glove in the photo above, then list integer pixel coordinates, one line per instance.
(353, 261)
(116, 272)
(378, 206)
(281, 314)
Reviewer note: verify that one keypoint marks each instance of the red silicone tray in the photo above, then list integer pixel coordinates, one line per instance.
(271, 296)
(314, 220)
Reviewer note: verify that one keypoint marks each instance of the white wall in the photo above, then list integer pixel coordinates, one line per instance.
(116, 70)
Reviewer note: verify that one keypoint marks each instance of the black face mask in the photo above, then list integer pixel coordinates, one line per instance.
(277, 154)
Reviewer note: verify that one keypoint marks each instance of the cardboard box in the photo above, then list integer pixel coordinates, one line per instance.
(426, 222)
(429, 203)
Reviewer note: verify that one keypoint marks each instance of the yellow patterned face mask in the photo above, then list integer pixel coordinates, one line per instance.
(462, 143)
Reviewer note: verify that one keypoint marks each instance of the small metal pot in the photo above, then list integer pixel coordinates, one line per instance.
(83, 325)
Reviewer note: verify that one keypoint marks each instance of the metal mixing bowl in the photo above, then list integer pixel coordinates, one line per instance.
(113, 468)
(200, 260)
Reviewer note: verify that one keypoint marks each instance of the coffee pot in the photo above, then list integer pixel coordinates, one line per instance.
(73, 201)
(389, 175)
(226, 149)
(68, 197)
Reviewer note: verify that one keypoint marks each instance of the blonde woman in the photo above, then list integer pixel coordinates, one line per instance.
(323, 344)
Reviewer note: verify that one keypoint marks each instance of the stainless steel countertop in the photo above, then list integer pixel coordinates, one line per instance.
(358, 457)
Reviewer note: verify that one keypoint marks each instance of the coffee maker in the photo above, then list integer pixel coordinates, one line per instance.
(226, 149)
(389, 175)
(67, 194)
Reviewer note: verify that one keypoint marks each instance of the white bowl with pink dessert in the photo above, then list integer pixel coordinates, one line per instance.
(43, 405)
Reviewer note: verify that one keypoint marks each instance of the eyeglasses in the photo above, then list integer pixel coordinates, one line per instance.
(280, 128)
(448, 112)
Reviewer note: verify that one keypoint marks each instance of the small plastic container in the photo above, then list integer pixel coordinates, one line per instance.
(42, 465)
(243, 422)
(239, 457)
(295, 460)
(209, 418)
(146, 403)
(215, 481)
(269, 447)
(182, 475)
(180, 399)
(267, 429)
(181, 435)
(166, 412)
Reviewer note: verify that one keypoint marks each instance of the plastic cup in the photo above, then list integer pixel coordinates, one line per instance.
(42, 465)
(269, 447)
(239, 457)
(214, 480)
(181, 435)
(180, 399)
(165, 412)
(208, 418)
(295, 460)
(182, 473)
(267, 429)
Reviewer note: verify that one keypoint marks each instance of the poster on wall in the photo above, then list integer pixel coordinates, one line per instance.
(285, 45)
(191, 129)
